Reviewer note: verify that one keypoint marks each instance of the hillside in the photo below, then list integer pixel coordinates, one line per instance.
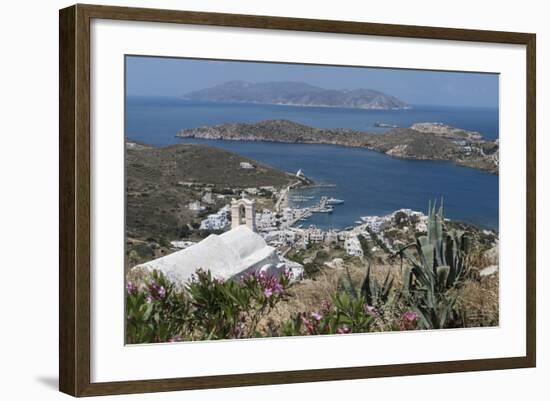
(429, 144)
(161, 182)
(296, 94)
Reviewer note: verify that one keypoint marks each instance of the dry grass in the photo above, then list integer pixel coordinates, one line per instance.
(478, 299)
(307, 295)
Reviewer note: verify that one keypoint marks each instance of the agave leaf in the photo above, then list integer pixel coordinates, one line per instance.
(366, 286)
(348, 285)
(407, 280)
(423, 316)
(426, 253)
(442, 276)
(387, 286)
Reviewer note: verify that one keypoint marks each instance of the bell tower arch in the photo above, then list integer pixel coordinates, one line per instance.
(243, 212)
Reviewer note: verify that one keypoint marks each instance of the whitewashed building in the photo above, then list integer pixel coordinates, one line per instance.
(331, 237)
(216, 221)
(246, 165)
(196, 206)
(266, 220)
(287, 236)
(352, 245)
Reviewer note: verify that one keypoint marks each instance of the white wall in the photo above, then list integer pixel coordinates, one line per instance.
(28, 197)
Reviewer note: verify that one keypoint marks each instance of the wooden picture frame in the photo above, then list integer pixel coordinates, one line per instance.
(74, 204)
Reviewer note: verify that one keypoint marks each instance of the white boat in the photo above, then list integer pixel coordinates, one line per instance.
(300, 198)
(334, 201)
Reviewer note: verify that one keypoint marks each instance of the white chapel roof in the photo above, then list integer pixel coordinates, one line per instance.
(225, 255)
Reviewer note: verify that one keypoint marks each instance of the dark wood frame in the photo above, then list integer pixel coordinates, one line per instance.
(74, 199)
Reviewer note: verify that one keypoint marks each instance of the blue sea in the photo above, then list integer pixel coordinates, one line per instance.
(370, 183)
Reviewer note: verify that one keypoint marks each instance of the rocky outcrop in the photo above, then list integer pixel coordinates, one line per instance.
(446, 131)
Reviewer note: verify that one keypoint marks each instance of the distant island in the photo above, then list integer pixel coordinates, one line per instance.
(423, 141)
(296, 94)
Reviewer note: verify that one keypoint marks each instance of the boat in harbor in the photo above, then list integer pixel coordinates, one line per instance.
(300, 198)
(328, 209)
(334, 201)
(384, 125)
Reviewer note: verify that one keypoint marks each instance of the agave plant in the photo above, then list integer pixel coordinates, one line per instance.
(438, 262)
(438, 259)
(371, 290)
(374, 292)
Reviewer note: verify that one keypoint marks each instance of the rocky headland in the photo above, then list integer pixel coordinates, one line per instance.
(422, 141)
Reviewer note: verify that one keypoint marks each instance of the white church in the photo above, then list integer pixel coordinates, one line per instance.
(236, 252)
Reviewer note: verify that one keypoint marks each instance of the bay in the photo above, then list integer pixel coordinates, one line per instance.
(370, 183)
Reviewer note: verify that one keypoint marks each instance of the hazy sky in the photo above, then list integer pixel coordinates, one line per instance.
(154, 76)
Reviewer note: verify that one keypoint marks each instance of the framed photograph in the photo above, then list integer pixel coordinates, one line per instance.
(249, 200)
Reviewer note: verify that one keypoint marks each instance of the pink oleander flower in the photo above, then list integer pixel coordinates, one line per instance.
(268, 292)
(370, 310)
(156, 292)
(410, 316)
(316, 316)
(326, 306)
(409, 321)
(308, 324)
(343, 330)
(131, 288)
(278, 288)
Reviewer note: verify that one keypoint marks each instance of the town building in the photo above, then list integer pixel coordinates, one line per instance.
(215, 222)
(196, 206)
(246, 165)
(331, 237)
(207, 197)
(287, 237)
(352, 245)
(266, 220)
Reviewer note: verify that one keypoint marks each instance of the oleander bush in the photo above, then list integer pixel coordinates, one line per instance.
(207, 308)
